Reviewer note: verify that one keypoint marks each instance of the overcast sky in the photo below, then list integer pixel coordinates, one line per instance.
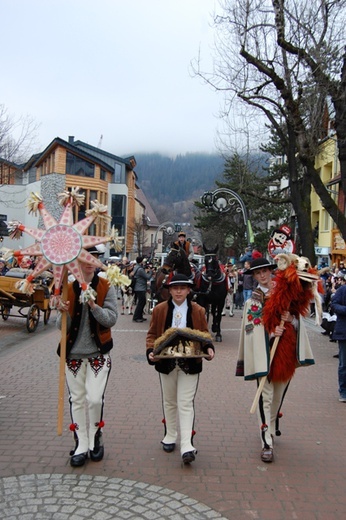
(117, 68)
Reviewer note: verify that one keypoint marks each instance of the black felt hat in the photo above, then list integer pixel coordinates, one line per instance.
(94, 251)
(260, 263)
(179, 279)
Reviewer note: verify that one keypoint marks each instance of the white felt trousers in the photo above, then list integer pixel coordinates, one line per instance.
(86, 381)
(269, 405)
(178, 395)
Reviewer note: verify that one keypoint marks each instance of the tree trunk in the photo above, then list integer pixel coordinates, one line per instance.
(300, 194)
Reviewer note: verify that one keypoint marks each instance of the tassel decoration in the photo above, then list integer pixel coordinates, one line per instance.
(15, 229)
(99, 211)
(116, 277)
(34, 203)
(26, 287)
(87, 294)
(74, 197)
(117, 241)
(55, 301)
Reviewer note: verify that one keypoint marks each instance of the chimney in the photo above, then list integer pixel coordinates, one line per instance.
(71, 139)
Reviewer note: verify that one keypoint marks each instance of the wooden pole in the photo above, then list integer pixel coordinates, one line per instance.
(264, 378)
(62, 358)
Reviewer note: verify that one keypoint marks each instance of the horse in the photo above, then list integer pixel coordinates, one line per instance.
(176, 262)
(212, 290)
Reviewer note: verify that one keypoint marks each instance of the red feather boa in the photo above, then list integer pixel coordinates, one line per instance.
(288, 294)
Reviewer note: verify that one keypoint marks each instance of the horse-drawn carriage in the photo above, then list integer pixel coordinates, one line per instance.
(35, 303)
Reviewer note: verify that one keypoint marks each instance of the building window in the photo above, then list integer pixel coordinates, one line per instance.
(326, 220)
(103, 174)
(118, 213)
(119, 174)
(77, 166)
(32, 175)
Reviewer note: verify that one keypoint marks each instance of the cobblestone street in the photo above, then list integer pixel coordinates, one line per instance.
(137, 479)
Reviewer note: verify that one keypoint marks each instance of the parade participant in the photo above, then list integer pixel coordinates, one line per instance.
(185, 244)
(89, 320)
(141, 276)
(254, 352)
(178, 377)
(338, 305)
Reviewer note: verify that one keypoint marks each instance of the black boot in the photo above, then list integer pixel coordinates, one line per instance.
(78, 460)
(98, 452)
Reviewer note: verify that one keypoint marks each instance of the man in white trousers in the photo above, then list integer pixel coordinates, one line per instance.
(88, 363)
(179, 377)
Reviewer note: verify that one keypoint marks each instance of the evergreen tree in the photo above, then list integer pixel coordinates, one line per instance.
(263, 204)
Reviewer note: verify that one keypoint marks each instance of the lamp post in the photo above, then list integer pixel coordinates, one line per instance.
(223, 200)
(166, 227)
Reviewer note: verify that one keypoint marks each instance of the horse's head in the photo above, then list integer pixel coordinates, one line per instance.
(177, 259)
(212, 266)
(173, 258)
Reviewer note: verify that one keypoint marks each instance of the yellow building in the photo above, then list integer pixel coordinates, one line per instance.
(330, 247)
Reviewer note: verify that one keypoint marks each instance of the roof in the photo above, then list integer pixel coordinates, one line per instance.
(9, 163)
(130, 162)
(73, 149)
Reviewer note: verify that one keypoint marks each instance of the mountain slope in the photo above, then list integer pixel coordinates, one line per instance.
(167, 180)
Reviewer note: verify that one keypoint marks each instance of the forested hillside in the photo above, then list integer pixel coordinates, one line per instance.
(166, 180)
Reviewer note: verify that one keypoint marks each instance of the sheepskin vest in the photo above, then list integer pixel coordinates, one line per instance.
(102, 335)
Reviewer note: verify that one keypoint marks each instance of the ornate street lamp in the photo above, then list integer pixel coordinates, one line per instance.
(166, 227)
(223, 200)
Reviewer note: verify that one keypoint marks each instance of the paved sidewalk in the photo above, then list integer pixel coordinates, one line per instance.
(137, 479)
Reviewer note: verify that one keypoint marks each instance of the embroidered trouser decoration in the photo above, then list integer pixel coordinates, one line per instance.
(178, 394)
(86, 381)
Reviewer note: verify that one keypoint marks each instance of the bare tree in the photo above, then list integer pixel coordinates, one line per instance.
(254, 65)
(137, 229)
(18, 136)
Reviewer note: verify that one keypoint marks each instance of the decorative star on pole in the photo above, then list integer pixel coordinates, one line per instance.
(62, 246)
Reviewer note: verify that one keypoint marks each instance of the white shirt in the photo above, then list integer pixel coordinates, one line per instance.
(179, 315)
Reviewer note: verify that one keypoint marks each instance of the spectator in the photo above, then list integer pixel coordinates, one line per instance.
(3, 267)
(256, 253)
(249, 282)
(247, 256)
(141, 276)
(339, 334)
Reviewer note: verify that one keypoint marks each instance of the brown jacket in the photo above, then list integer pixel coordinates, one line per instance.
(161, 320)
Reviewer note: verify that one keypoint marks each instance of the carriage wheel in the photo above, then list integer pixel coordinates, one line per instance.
(46, 315)
(32, 318)
(5, 312)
